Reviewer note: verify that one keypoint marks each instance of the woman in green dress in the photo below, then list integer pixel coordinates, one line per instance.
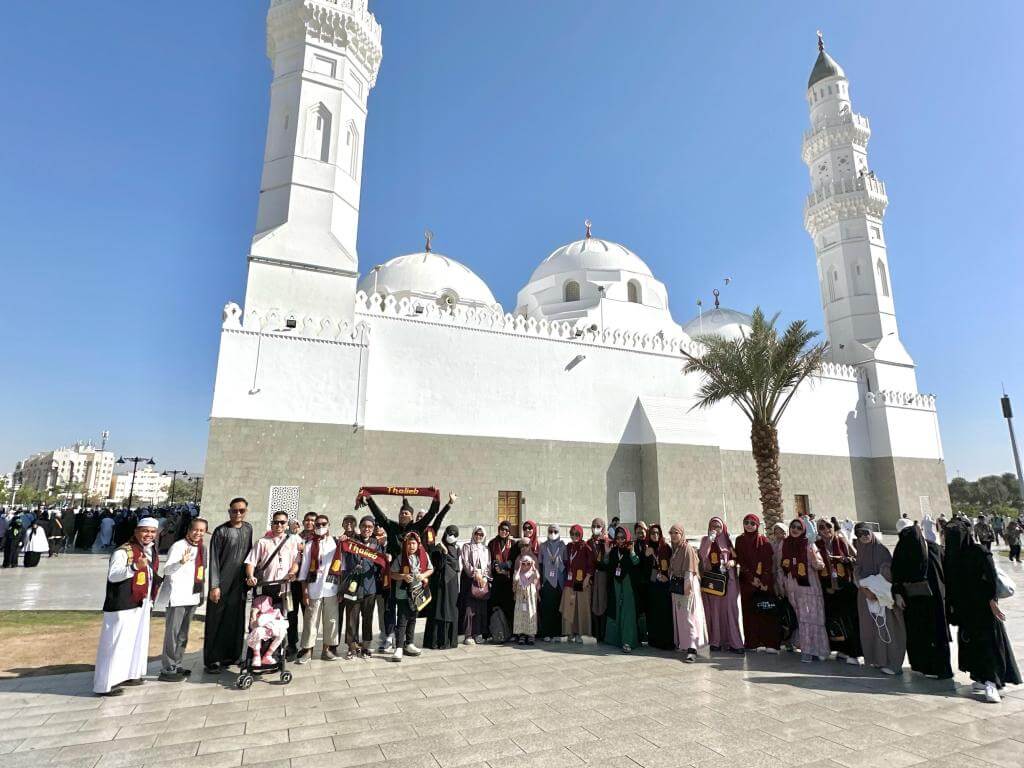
(619, 564)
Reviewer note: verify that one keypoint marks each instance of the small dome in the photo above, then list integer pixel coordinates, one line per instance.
(825, 66)
(727, 323)
(430, 276)
(590, 253)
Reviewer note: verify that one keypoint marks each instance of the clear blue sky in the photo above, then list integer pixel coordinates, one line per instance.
(133, 139)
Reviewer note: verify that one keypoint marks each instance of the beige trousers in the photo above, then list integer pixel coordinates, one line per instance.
(322, 613)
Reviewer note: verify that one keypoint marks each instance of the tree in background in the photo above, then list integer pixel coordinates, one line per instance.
(759, 372)
(986, 495)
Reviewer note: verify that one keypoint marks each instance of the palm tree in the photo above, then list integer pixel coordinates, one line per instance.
(760, 372)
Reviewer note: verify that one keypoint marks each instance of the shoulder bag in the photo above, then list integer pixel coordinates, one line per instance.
(714, 583)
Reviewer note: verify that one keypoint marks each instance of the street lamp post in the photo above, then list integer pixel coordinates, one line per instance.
(174, 476)
(135, 463)
(196, 480)
(1008, 415)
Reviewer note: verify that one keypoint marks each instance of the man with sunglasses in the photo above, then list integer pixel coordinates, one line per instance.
(225, 612)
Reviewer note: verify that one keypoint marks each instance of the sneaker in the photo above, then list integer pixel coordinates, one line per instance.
(350, 654)
(305, 656)
(396, 655)
(627, 648)
(365, 652)
(562, 639)
(327, 655)
(691, 656)
(412, 650)
(547, 639)
(977, 687)
(853, 661)
(479, 639)
(760, 649)
(184, 671)
(389, 644)
(469, 641)
(382, 643)
(806, 658)
(529, 641)
(887, 671)
(992, 694)
(174, 676)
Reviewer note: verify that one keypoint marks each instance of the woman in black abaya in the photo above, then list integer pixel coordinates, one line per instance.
(984, 650)
(918, 583)
(443, 611)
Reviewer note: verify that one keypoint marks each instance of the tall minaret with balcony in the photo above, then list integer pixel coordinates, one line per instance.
(325, 55)
(843, 216)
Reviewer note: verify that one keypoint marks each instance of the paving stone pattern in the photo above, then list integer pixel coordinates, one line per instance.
(506, 707)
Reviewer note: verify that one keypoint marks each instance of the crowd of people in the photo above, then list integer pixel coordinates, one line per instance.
(820, 588)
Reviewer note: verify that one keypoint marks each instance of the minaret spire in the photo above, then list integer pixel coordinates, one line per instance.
(821, 43)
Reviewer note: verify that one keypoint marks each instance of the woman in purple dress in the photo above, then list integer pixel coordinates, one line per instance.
(717, 555)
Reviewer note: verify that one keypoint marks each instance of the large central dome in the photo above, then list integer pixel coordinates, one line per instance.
(590, 253)
(430, 276)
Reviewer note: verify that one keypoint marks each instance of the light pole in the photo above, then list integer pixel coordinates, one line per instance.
(1008, 415)
(135, 463)
(196, 479)
(174, 476)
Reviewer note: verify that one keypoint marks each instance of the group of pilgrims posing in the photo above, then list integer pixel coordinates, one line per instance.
(806, 589)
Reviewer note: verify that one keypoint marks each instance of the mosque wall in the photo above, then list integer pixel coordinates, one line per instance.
(562, 482)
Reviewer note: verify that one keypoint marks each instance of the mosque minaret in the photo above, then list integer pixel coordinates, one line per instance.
(843, 216)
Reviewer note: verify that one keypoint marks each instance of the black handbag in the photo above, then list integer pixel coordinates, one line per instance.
(677, 586)
(714, 583)
(836, 629)
(917, 589)
(787, 618)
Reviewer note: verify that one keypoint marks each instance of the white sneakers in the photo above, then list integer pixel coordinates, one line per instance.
(410, 650)
(992, 693)
(396, 655)
(469, 641)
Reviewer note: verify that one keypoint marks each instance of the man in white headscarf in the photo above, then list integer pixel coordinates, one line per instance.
(903, 522)
(131, 586)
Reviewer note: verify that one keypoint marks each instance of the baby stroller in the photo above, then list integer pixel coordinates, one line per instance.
(261, 628)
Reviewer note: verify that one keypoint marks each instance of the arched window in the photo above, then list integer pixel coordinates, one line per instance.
(352, 147)
(832, 277)
(572, 291)
(633, 292)
(883, 279)
(318, 133)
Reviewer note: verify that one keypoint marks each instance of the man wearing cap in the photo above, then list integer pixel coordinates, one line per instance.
(124, 640)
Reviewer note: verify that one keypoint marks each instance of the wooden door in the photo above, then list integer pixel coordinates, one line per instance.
(508, 509)
(801, 504)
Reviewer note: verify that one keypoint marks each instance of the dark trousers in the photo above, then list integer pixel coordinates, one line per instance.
(357, 611)
(32, 559)
(1015, 552)
(293, 617)
(996, 534)
(406, 631)
(390, 611)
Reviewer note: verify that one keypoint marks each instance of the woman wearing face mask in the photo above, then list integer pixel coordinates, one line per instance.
(552, 569)
(659, 601)
(801, 562)
(883, 636)
(475, 587)
(528, 543)
(599, 545)
(839, 593)
(757, 580)
(641, 579)
(502, 598)
(620, 564)
(576, 592)
(442, 630)
(717, 555)
(689, 627)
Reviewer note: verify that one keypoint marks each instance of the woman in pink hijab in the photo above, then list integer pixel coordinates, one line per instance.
(717, 555)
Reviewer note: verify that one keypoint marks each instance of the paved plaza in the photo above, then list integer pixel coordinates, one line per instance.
(550, 705)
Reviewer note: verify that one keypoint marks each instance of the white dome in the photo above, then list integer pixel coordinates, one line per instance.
(591, 253)
(727, 323)
(429, 276)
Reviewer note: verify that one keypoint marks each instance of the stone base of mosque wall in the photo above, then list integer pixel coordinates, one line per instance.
(319, 467)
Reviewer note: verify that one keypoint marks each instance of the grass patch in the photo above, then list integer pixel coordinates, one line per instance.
(57, 642)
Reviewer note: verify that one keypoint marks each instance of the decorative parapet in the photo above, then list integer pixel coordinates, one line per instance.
(343, 24)
(841, 131)
(840, 371)
(275, 322)
(889, 398)
(844, 198)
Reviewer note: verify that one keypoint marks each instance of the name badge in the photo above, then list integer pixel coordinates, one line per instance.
(140, 578)
(199, 572)
(579, 574)
(551, 574)
(335, 566)
(664, 565)
(618, 571)
(353, 586)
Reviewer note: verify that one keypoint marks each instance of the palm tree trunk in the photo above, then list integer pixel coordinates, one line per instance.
(764, 444)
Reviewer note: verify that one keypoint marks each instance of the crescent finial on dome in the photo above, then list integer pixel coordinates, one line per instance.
(588, 224)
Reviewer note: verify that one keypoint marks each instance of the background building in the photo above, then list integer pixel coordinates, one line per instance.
(82, 466)
(151, 487)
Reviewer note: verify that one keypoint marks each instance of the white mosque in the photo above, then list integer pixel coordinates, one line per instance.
(572, 405)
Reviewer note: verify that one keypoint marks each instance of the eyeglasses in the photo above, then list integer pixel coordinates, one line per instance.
(280, 522)
(237, 511)
(749, 522)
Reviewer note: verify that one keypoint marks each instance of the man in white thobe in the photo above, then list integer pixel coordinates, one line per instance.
(124, 640)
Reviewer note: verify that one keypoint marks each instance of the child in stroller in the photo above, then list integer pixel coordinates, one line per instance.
(268, 628)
